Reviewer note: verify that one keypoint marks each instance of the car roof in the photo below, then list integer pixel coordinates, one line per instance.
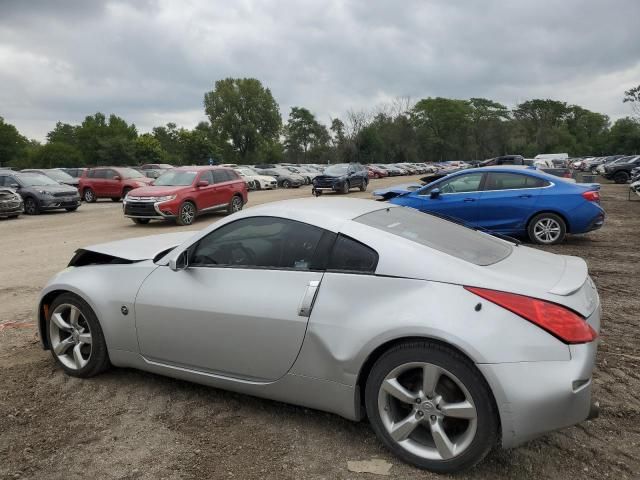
(199, 168)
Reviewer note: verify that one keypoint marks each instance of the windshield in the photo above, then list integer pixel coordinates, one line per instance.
(129, 173)
(59, 176)
(35, 179)
(175, 178)
(247, 172)
(439, 234)
(336, 170)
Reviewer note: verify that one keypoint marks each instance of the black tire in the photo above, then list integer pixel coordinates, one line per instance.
(11, 217)
(31, 206)
(88, 195)
(345, 188)
(235, 205)
(71, 209)
(286, 184)
(258, 185)
(99, 358)
(487, 427)
(140, 221)
(115, 199)
(186, 214)
(549, 218)
(621, 177)
(363, 186)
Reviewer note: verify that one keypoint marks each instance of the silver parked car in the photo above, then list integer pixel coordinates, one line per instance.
(450, 340)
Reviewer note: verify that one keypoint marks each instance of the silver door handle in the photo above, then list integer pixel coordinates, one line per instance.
(304, 310)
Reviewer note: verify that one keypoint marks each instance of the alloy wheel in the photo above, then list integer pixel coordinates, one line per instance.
(547, 230)
(30, 206)
(70, 336)
(236, 204)
(187, 213)
(427, 411)
(88, 195)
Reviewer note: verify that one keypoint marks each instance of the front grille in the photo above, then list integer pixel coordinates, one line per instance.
(64, 194)
(143, 209)
(324, 182)
(6, 196)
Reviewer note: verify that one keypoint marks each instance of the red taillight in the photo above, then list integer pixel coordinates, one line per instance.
(592, 196)
(567, 174)
(559, 321)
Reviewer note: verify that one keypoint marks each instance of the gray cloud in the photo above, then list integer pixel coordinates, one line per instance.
(152, 61)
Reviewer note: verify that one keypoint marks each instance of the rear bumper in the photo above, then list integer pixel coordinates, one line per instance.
(535, 398)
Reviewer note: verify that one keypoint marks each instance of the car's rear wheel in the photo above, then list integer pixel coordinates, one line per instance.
(345, 188)
(235, 205)
(31, 206)
(431, 407)
(547, 229)
(76, 339)
(621, 177)
(89, 195)
(140, 221)
(286, 184)
(187, 214)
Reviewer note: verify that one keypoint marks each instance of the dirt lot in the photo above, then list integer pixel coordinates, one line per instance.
(128, 424)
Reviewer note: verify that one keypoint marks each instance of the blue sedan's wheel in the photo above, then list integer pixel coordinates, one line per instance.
(431, 407)
(547, 229)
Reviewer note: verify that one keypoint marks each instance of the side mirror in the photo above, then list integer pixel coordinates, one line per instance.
(435, 193)
(14, 185)
(117, 177)
(202, 183)
(181, 262)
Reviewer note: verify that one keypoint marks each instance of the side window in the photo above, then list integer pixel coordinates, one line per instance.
(460, 184)
(219, 176)
(264, 242)
(109, 174)
(206, 177)
(230, 174)
(98, 173)
(349, 255)
(512, 181)
(4, 181)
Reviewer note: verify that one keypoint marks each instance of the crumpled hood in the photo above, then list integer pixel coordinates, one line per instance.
(141, 248)
(156, 190)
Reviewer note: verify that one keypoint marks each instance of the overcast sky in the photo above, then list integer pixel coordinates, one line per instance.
(151, 61)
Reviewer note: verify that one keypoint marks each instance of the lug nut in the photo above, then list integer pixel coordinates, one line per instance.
(433, 417)
(419, 413)
(418, 400)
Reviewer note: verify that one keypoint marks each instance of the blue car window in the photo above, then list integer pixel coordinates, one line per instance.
(460, 184)
(512, 181)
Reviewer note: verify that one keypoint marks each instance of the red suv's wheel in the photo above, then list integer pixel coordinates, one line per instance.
(187, 214)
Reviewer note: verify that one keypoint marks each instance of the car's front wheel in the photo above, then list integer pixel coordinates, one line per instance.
(31, 206)
(187, 214)
(547, 229)
(363, 186)
(89, 195)
(345, 188)
(431, 407)
(76, 339)
(621, 177)
(286, 184)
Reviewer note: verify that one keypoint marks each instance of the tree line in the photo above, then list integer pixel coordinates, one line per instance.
(245, 126)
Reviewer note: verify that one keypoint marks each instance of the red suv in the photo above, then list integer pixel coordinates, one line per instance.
(375, 172)
(110, 182)
(185, 192)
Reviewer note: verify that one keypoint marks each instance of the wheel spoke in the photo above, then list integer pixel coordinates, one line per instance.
(85, 338)
(441, 439)
(57, 319)
(401, 430)
(393, 388)
(458, 410)
(74, 314)
(430, 377)
(77, 357)
(63, 346)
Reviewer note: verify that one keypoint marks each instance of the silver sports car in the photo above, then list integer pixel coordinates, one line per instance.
(449, 340)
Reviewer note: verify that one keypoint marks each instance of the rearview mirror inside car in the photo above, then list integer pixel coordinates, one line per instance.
(435, 193)
(203, 183)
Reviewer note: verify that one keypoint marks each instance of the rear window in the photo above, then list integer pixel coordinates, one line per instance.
(439, 234)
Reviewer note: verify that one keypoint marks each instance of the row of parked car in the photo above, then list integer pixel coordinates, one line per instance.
(619, 168)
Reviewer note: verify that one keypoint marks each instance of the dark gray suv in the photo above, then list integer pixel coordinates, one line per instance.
(40, 192)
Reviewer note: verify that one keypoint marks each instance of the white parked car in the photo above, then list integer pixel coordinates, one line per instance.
(255, 181)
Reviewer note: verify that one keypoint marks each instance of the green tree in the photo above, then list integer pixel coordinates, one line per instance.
(489, 128)
(12, 144)
(148, 150)
(244, 114)
(624, 137)
(303, 133)
(632, 96)
(55, 154)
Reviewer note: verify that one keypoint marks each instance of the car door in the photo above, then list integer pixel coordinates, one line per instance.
(112, 183)
(508, 200)
(242, 305)
(205, 196)
(456, 197)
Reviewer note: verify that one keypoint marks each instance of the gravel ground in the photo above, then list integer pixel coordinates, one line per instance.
(131, 425)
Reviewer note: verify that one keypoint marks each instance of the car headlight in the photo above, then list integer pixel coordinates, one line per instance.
(44, 192)
(165, 198)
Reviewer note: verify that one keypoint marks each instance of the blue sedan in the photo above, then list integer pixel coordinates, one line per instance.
(511, 201)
